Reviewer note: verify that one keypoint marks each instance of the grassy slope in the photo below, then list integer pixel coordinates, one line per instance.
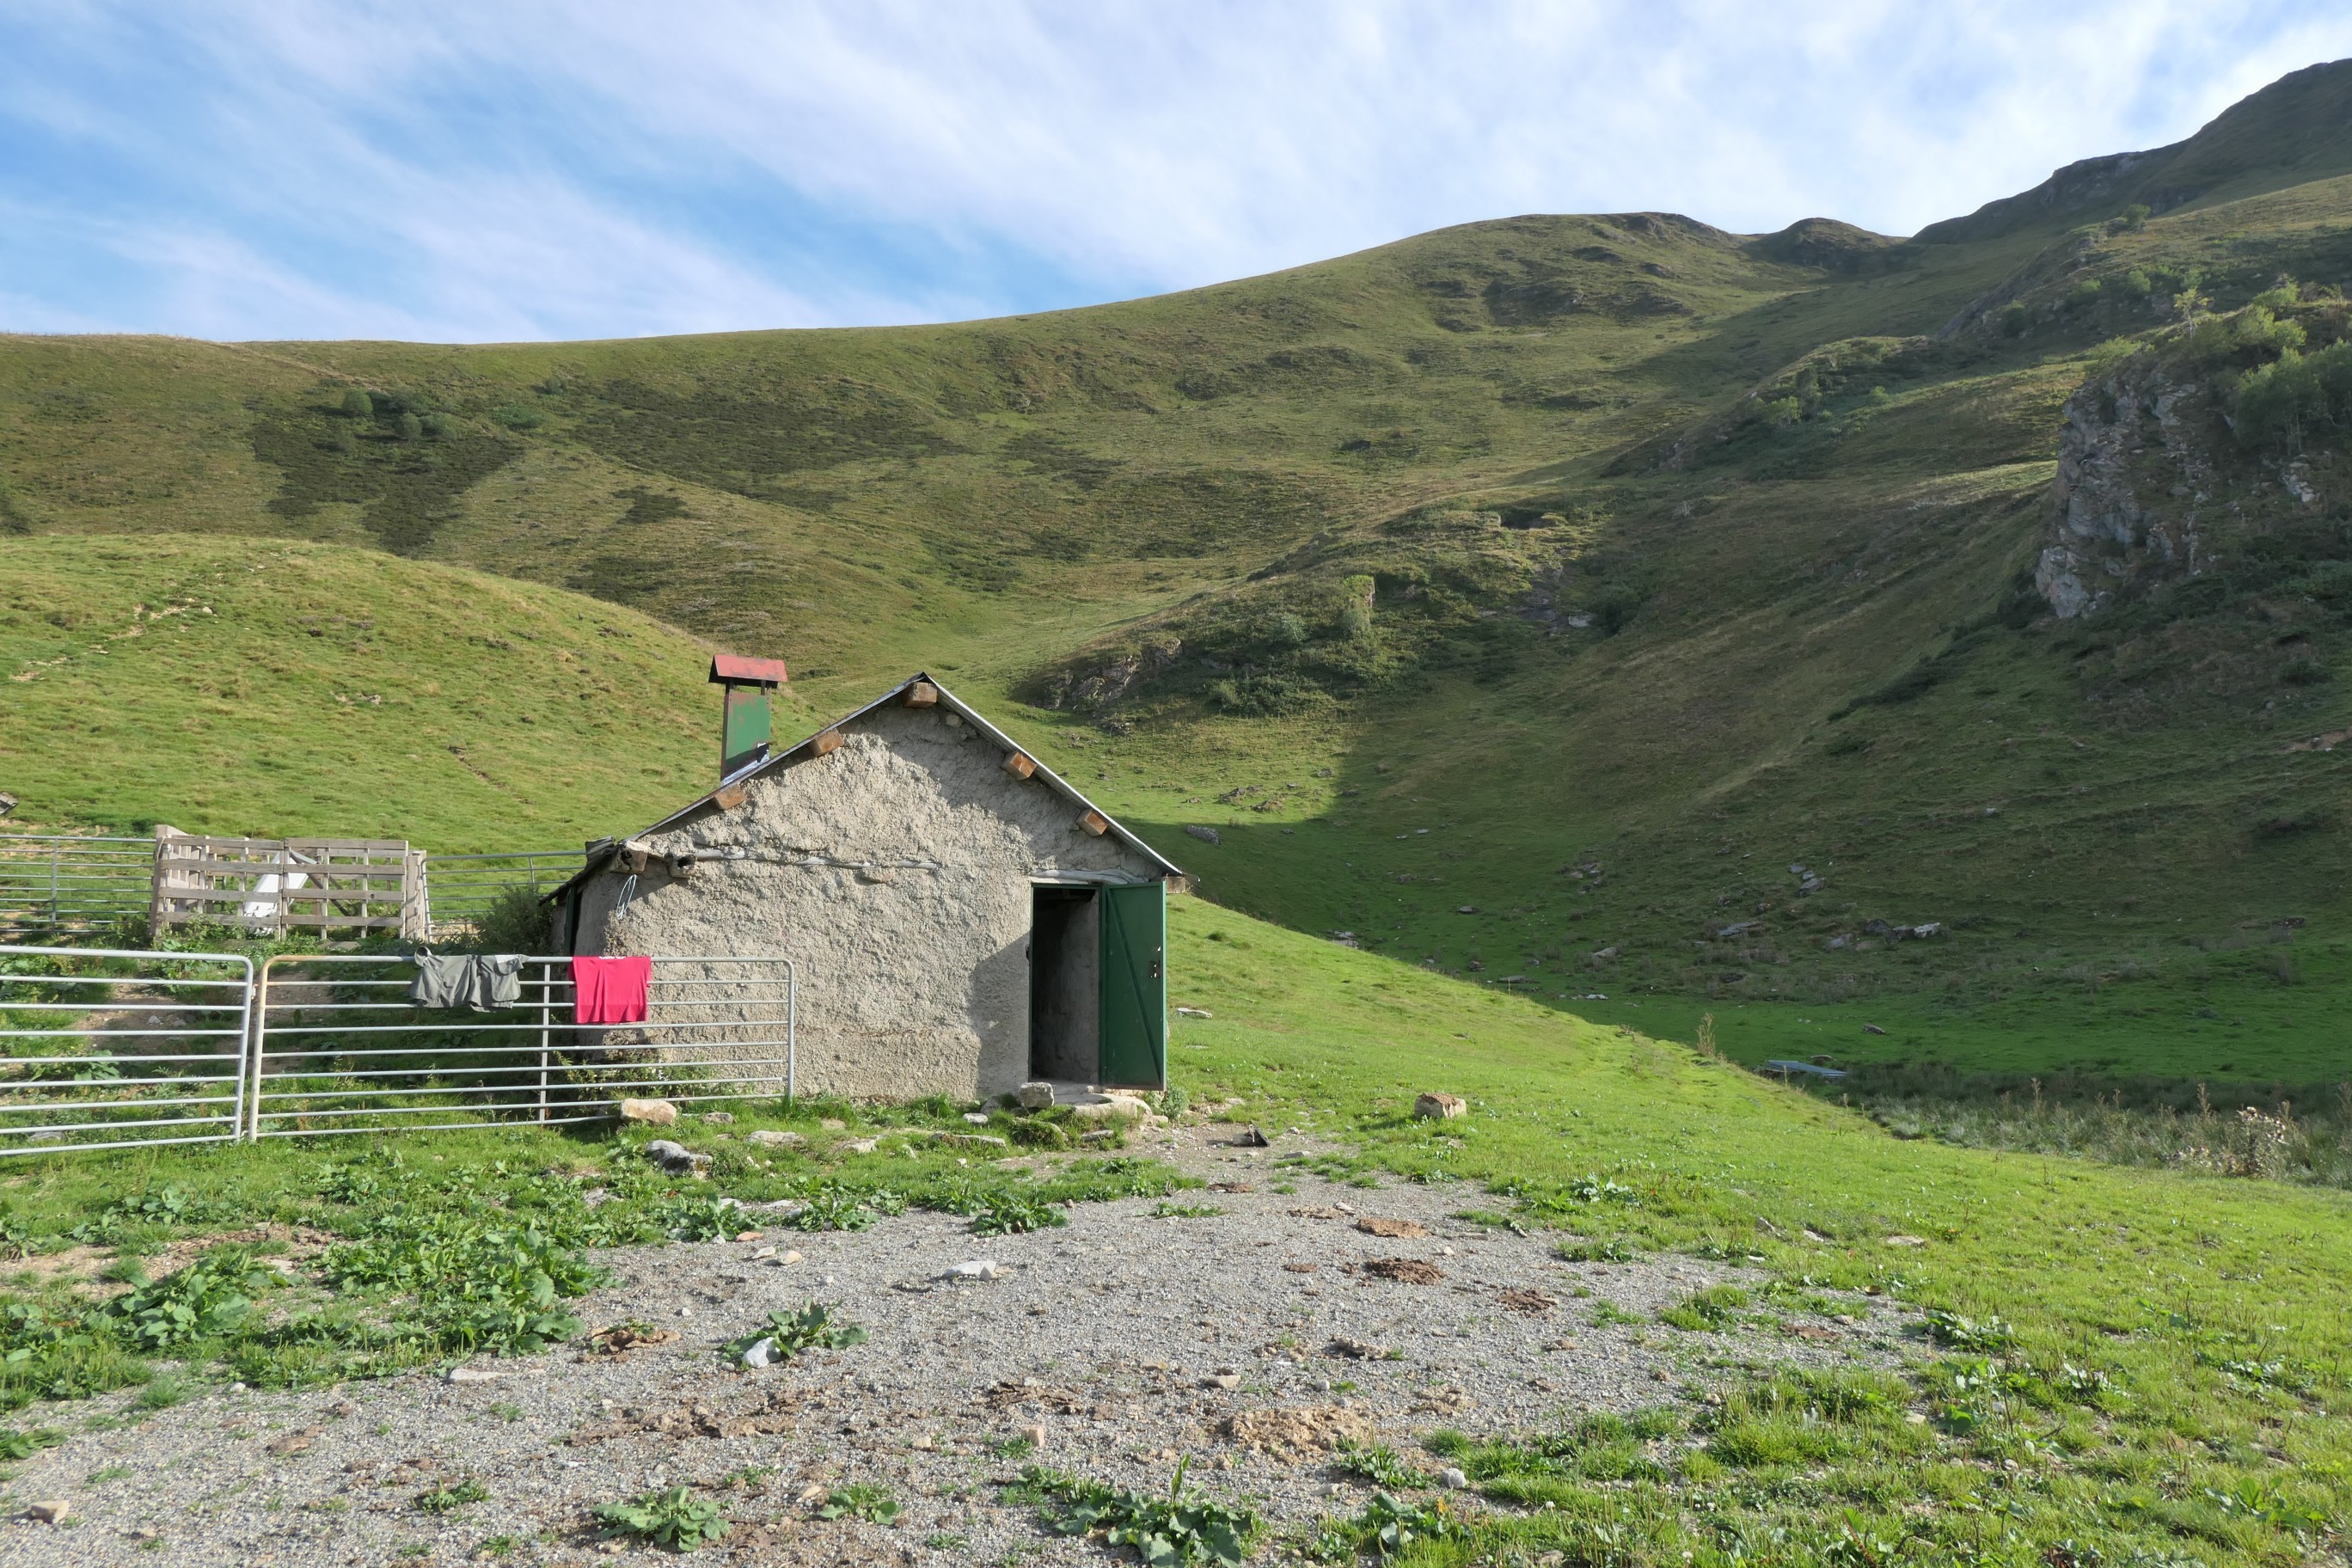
(988, 500)
(233, 685)
(2210, 1308)
(2137, 1275)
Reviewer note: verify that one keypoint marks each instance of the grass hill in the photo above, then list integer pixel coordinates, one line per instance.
(261, 685)
(1592, 603)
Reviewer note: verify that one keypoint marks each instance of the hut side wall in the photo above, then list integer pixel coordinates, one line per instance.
(896, 872)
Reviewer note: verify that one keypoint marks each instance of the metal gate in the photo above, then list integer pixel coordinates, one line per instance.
(462, 890)
(116, 1047)
(55, 884)
(339, 1048)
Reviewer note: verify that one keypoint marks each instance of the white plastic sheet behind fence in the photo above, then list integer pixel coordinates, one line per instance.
(111, 1048)
(340, 1049)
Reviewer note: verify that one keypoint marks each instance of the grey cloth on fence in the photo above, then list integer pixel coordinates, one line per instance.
(481, 981)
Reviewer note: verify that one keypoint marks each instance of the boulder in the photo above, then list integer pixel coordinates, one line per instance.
(766, 1138)
(1112, 1107)
(676, 1159)
(1206, 835)
(1440, 1107)
(1035, 1096)
(659, 1112)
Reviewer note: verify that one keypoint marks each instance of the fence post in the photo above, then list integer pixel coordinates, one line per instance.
(546, 985)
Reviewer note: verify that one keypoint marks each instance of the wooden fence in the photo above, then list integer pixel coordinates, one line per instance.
(345, 889)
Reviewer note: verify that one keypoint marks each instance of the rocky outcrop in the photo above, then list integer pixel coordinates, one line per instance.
(2134, 492)
(1101, 685)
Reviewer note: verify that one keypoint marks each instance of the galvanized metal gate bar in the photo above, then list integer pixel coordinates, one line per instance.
(55, 884)
(339, 1048)
(182, 1094)
(460, 890)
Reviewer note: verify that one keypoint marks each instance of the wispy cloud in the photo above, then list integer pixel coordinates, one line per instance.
(258, 168)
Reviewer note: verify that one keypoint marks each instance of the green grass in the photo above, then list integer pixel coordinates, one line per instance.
(1465, 570)
(2174, 1340)
(240, 686)
(2163, 1357)
(446, 1246)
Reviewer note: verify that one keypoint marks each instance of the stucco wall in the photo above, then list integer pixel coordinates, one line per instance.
(896, 872)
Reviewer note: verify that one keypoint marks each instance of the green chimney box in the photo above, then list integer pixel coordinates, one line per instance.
(747, 720)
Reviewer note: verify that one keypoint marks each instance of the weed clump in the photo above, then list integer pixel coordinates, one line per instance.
(1718, 1306)
(451, 1496)
(1014, 1214)
(1178, 1529)
(861, 1500)
(1377, 1463)
(675, 1517)
(787, 1335)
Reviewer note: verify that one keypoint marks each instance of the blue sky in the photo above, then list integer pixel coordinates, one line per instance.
(520, 170)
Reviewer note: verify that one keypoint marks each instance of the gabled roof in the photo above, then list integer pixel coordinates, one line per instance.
(947, 700)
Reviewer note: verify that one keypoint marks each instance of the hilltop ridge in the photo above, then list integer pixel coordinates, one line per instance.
(2291, 132)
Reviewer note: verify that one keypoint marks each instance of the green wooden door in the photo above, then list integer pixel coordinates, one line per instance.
(1135, 986)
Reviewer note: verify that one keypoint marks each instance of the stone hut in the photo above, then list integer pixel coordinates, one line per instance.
(961, 919)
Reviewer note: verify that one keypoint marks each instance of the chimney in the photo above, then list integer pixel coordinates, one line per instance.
(747, 722)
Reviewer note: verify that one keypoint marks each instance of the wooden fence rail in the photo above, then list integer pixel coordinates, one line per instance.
(339, 888)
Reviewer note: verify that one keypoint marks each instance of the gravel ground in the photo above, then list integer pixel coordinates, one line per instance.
(1120, 1342)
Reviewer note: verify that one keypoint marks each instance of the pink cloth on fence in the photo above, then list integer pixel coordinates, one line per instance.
(610, 990)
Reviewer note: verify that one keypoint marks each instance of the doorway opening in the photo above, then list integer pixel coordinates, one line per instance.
(1064, 985)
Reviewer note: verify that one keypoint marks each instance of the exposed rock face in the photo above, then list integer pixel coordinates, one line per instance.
(2135, 486)
(1106, 683)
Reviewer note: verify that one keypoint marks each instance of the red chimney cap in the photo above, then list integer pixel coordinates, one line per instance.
(727, 670)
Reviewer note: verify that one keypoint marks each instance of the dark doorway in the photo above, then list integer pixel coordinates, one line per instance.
(1064, 985)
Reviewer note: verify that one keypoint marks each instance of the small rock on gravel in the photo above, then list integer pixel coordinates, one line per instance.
(1405, 1270)
(52, 1512)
